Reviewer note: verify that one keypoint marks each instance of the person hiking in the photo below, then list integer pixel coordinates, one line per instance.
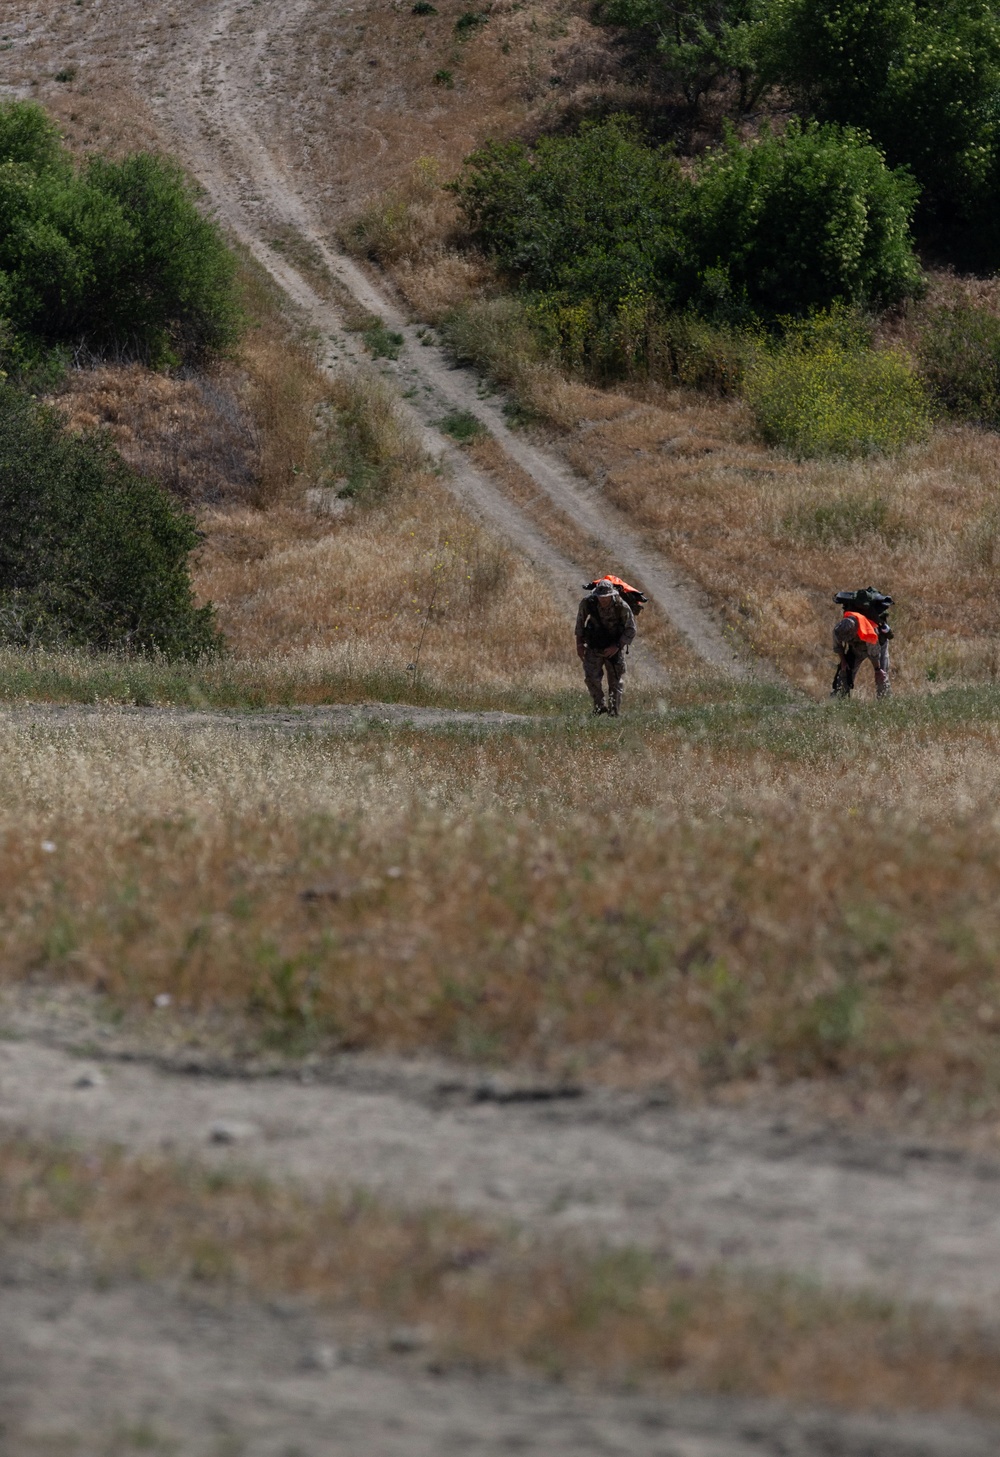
(605, 625)
(861, 635)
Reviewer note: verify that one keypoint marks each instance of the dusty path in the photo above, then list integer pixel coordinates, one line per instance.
(706, 1185)
(87, 1370)
(319, 718)
(90, 1373)
(212, 96)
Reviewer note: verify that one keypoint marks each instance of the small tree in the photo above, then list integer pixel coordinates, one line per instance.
(595, 215)
(798, 221)
(700, 42)
(91, 554)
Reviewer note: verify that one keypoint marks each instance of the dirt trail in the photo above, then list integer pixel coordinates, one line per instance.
(319, 718)
(82, 1368)
(213, 98)
(90, 1373)
(905, 1218)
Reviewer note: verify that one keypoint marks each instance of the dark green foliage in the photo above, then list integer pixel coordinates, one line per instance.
(799, 221)
(469, 21)
(423, 7)
(115, 257)
(779, 226)
(595, 215)
(959, 351)
(700, 42)
(922, 78)
(90, 553)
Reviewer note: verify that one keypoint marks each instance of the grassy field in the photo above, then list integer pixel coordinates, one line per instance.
(738, 890)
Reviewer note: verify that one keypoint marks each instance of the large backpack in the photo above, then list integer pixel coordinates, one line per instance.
(871, 604)
(635, 599)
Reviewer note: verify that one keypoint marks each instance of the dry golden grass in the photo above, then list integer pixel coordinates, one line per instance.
(743, 521)
(726, 897)
(488, 1300)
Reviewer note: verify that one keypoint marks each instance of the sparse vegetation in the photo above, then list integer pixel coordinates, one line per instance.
(503, 900)
(488, 1299)
(382, 343)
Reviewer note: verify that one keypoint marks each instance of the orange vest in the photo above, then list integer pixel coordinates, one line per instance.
(867, 631)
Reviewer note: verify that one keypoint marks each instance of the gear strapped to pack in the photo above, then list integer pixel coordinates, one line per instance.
(596, 633)
(635, 599)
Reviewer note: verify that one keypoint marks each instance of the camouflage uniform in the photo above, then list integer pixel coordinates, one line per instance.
(602, 622)
(853, 652)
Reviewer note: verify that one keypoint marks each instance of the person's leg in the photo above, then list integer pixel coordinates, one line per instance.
(883, 688)
(843, 682)
(593, 673)
(616, 673)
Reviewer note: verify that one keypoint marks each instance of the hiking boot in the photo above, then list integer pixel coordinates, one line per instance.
(599, 708)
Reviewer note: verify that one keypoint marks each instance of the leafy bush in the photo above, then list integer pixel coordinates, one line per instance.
(593, 216)
(959, 352)
(799, 220)
(91, 554)
(923, 79)
(115, 256)
(699, 42)
(779, 226)
(822, 391)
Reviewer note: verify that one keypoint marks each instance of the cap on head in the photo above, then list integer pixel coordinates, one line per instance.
(604, 589)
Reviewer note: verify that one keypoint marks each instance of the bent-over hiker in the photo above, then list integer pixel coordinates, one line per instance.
(861, 635)
(605, 625)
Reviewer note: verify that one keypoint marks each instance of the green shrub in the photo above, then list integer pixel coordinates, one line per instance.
(90, 554)
(923, 79)
(823, 392)
(382, 343)
(469, 21)
(461, 425)
(115, 256)
(959, 351)
(592, 216)
(782, 225)
(799, 220)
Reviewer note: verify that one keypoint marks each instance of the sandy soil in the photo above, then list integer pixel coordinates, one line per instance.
(108, 1370)
(907, 1218)
(87, 1373)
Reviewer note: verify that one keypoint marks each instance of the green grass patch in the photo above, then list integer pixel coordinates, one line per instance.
(462, 426)
(382, 343)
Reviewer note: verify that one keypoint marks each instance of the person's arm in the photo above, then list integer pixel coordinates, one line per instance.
(581, 622)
